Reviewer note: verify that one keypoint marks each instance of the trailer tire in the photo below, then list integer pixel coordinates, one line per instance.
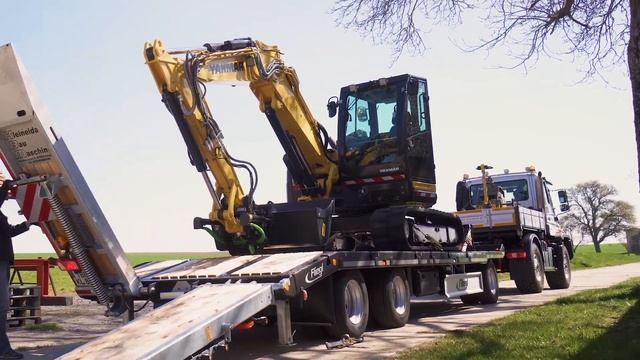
(528, 274)
(390, 299)
(490, 287)
(561, 277)
(351, 304)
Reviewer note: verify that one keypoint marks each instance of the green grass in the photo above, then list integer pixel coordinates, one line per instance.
(64, 285)
(42, 327)
(612, 254)
(594, 324)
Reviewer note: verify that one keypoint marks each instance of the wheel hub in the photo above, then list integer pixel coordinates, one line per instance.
(399, 295)
(354, 302)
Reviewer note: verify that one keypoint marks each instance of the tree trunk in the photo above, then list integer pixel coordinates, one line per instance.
(633, 57)
(595, 233)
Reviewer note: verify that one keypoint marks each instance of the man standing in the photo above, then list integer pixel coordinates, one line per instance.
(7, 231)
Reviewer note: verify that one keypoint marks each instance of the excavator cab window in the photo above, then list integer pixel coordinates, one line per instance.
(419, 144)
(384, 139)
(385, 123)
(371, 130)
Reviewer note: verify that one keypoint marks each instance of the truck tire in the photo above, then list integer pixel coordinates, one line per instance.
(561, 278)
(390, 299)
(351, 302)
(529, 273)
(490, 287)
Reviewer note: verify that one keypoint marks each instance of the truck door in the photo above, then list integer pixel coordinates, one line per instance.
(553, 227)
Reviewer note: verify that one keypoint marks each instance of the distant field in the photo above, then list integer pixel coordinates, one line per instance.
(63, 283)
(586, 257)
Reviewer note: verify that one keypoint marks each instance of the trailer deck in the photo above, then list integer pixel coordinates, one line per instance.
(212, 296)
(301, 270)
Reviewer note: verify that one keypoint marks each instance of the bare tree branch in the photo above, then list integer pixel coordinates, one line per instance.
(600, 33)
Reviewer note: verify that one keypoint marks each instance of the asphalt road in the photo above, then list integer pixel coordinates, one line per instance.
(429, 321)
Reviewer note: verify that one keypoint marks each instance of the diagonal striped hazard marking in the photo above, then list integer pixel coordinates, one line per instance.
(34, 207)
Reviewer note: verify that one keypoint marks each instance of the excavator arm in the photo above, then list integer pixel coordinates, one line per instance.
(181, 76)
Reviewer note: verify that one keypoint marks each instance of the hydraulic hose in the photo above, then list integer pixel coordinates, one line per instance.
(78, 251)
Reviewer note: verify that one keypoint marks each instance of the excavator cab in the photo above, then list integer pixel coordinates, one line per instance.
(385, 143)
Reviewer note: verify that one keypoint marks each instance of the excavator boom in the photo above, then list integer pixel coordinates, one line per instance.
(181, 77)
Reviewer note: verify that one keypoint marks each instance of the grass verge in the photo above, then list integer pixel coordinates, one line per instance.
(612, 254)
(42, 327)
(594, 324)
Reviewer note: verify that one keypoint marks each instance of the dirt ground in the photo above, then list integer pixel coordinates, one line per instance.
(78, 323)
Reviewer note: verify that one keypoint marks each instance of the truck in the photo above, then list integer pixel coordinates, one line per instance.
(350, 250)
(515, 213)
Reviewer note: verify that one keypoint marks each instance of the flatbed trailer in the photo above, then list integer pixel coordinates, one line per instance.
(213, 296)
(198, 302)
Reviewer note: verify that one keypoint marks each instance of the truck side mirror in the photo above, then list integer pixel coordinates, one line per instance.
(564, 200)
(332, 106)
(463, 197)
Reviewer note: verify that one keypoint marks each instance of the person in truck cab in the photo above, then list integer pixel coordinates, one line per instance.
(495, 192)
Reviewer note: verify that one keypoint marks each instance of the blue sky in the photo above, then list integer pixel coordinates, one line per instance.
(85, 59)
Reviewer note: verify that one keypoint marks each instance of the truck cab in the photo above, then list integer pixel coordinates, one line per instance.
(515, 212)
(523, 189)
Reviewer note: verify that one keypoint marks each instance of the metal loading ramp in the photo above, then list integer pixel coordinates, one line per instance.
(181, 327)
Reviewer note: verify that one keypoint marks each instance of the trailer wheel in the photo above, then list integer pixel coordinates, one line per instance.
(489, 294)
(391, 299)
(561, 278)
(351, 305)
(529, 273)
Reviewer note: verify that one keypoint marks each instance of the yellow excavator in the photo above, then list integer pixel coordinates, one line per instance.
(373, 189)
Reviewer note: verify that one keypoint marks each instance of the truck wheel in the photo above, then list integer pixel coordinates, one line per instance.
(391, 299)
(489, 294)
(561, 278)
(529, 273)
(351, 305)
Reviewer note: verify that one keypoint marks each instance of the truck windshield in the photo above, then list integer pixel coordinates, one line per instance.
(517, 190)
(371, 127)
